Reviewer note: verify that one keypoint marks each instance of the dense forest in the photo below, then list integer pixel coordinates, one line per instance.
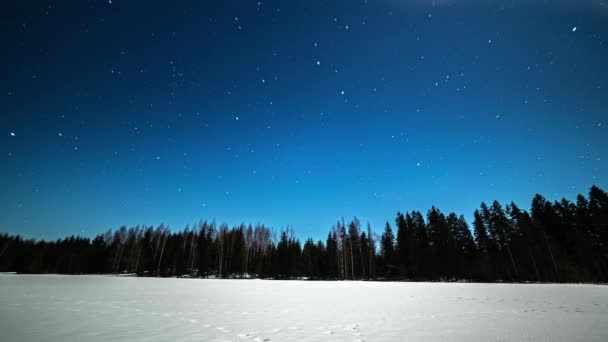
(553, 242)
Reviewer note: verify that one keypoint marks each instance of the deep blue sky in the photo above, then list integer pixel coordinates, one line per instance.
(294, 112)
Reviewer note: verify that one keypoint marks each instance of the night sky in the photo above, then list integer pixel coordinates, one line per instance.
(294, 112)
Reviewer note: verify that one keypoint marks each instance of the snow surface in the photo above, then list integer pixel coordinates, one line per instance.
(108, 308)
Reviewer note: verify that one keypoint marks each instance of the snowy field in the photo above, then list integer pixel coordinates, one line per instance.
(106, 308)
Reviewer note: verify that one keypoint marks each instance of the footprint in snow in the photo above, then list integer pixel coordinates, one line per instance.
(352, 327)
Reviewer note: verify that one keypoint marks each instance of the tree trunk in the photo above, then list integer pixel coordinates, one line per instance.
(352, 261)
(512, 261)
(552, 258)
(137, 261)
(362, 262)
(534, 264)
(160, 259)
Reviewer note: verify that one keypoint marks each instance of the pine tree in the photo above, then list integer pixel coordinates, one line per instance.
(440, 242)
(387, 251)
(482, 242)
(354, 247)
(402, 246)
(502, 231)
(331, 256)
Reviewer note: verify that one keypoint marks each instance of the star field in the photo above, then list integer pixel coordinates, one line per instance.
(294, 113)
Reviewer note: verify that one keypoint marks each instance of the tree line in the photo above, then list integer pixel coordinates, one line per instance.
(559, 241)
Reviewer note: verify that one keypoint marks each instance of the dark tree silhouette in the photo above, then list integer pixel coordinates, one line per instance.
(561, 241)
(387, 252)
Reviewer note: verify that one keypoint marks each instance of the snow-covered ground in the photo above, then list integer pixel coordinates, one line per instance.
(106, 308)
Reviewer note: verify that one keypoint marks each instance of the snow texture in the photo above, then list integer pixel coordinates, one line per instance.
(108, 308)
